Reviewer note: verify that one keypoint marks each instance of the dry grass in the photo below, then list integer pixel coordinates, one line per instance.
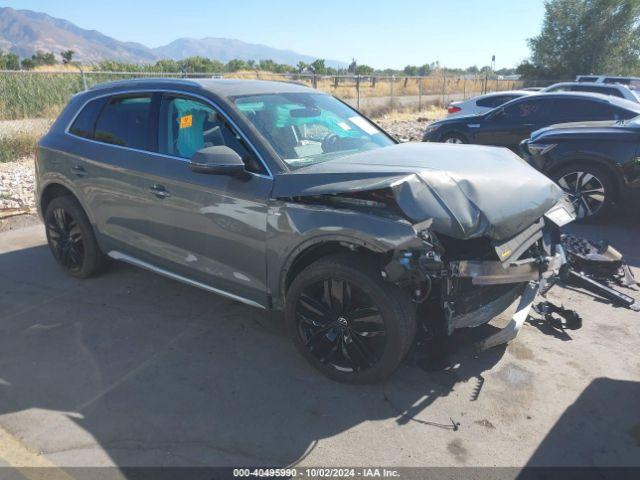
(430, 113)
(19, 145)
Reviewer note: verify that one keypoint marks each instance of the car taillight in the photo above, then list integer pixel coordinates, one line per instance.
(453, 109)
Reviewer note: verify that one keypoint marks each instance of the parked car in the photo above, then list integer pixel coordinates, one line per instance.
(483, 103)
(284, 198)
(631, 82)
(615, 90)
(596, 163)
(508, 125)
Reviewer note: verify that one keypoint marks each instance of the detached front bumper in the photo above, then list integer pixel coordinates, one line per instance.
(498, 284)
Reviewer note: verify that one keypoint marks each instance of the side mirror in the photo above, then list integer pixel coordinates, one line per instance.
(218, 160)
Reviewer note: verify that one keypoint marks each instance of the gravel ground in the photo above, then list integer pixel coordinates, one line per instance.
(17, 184)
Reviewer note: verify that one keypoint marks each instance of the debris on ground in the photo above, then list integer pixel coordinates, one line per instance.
(595, 266)
(558, 317)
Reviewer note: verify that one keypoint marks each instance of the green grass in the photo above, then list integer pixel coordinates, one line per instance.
(41, 95)
(16, 146)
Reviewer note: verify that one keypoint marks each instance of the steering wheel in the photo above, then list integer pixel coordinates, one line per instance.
(330, 142)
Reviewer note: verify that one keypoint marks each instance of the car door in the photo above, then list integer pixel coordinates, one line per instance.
(507, 127)
(111, 164)
(208, 228)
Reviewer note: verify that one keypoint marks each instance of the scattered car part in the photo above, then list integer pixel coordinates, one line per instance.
(571, 276)
(565, 318)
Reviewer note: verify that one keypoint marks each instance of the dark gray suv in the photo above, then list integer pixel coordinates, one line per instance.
(285, 198)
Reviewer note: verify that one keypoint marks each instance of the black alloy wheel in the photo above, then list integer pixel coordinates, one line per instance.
(71, 238)
(340, 325)
(66, 240)
(347, 321)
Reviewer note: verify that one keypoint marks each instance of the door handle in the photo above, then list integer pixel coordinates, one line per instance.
(79, 171)
(159, 191)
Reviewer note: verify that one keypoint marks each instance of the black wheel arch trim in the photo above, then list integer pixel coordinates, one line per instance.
(60, 181)
(454, 132)
(340, 242)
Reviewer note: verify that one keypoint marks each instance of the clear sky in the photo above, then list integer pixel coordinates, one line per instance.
(380, 33)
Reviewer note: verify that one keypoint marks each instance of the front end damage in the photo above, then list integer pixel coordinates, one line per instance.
(466, 284)
(468, 231)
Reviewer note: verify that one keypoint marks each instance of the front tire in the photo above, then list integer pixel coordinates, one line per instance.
(590, 189)
(347, 321)
(71, 239)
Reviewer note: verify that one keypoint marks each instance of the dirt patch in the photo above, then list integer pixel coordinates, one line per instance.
(18, 221)
(520, 351)
(456, 448)
(485, 423)
(516, 377)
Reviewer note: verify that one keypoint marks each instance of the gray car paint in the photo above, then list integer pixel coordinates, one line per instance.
(238, 236)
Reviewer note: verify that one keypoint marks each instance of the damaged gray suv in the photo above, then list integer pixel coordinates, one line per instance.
(283, 197)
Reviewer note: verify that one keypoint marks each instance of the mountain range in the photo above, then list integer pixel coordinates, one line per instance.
(24, 32)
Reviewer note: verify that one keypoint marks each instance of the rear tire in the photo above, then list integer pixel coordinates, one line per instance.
(590, 188)
(347, 321)
(71, 238)
(453, 138)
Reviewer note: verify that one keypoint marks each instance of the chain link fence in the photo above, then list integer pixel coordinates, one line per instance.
(42, 94)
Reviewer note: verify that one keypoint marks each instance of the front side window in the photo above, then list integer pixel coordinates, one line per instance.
(125, 121)
(307, 128)
(526, 111)
(188, 125)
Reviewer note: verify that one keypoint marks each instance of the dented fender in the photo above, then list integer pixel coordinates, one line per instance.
(292, 228)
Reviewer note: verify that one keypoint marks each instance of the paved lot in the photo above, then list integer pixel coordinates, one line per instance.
(134, 369)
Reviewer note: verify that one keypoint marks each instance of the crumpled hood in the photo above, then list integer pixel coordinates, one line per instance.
(468, 190)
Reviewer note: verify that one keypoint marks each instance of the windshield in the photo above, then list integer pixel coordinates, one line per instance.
(308, 128)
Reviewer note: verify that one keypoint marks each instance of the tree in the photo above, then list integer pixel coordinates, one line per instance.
(38, 59)
(67, 56)
(301, 67)
(318, 67)
(364, 70)
(584, 37)
(236, 65)
(9, 61)
(411, 71)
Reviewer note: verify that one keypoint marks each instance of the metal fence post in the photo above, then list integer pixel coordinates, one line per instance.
(358, 91)
(419, 94)
(392, 80)
(464, 89)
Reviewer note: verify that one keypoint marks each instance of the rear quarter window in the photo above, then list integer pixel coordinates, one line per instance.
(125, 121)
(85, 121)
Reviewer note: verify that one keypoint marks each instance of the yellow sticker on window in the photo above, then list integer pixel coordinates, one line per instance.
(186, 121)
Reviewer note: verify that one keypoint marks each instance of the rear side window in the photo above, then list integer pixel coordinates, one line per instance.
(614, 92)
(574, 110)
(125, 121)
(85, 122)
(492, 102)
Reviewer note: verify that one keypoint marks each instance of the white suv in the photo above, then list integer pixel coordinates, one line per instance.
(613, 89)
